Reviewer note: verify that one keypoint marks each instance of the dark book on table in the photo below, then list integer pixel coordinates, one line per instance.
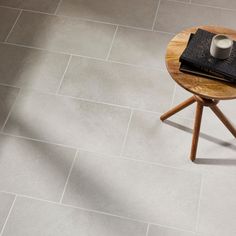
(197, 56)
(189, 68)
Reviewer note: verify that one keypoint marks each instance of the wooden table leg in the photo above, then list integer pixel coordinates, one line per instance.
(224, 119)
(196, 130)
(178, 108)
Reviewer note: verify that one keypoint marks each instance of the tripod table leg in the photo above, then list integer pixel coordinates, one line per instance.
(178, 108)
(224, 119)
(196, 130)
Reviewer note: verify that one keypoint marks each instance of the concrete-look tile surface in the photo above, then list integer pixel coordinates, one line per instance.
(7, 99)
(48, 6)
(89, 77)
(23, 67)
(162, 231)
(137, 13)
(140, 47)
(218, 206)
(134, 189)
(31, 217)
(174, 16)
(230, 4)
(69, 121)
(7, 20)
(6, 201)
(150, 139)
(33, 168)
(63, 34)
(118, 84)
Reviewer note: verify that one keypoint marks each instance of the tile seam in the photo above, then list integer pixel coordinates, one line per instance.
(64, 74)
(12, 28)
(68, 176)
(8, 216)
(98, 212)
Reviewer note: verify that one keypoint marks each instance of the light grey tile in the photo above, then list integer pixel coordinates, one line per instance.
(7, 20)
(31, 217)
(140, 47)
(162, 231)
(166, 143)
(63, 34)
(63, 120)
(6, 201)
(48, 6)
(137, 13)
(231, 4)
(118, 84)
(134, 189)
(7, 98)
(176, 16)
(218, 205)
(34, 168)
(31, 68)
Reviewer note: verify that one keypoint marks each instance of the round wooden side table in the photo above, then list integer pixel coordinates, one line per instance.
(206, 92)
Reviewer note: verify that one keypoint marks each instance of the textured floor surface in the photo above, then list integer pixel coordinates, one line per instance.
(82, 148)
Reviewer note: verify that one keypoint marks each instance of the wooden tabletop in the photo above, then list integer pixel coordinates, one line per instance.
(198, 85)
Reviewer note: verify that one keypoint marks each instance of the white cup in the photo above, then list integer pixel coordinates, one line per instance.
(221, 46)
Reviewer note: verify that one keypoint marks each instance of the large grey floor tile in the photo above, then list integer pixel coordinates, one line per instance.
(140, 47)
(169, 143)
(31, 68)
(139, 13)
(34, 168)
(118, 84)
(218, 206)
(231, 4)
(7, 20)
(162, 231)
(7, 98)
(134, 189)
(69, 121)
(63, 34)
(175, 16)
(6, 201)
(150, 139)
(31, 217)
(48, 6)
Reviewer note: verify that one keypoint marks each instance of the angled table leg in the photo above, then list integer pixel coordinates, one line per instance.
(224, 119)
(196, 130)
(178, 108)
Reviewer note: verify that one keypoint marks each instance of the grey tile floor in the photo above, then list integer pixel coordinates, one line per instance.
(82, 148)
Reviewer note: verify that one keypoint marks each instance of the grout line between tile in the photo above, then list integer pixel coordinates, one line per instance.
(199, 204)
(8, 35)
(63, 75)
(109, 23)
(99, 153)
(58, 6)
(112, 42)
(9, 213)
(178, 1)
(11, 109)
(173, 96)
(147, 230)
(126, 133)
(155, 17)
(84, 56)
(95, 211)
(69, 174)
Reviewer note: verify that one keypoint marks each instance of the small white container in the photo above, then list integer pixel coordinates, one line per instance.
(221, 46)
